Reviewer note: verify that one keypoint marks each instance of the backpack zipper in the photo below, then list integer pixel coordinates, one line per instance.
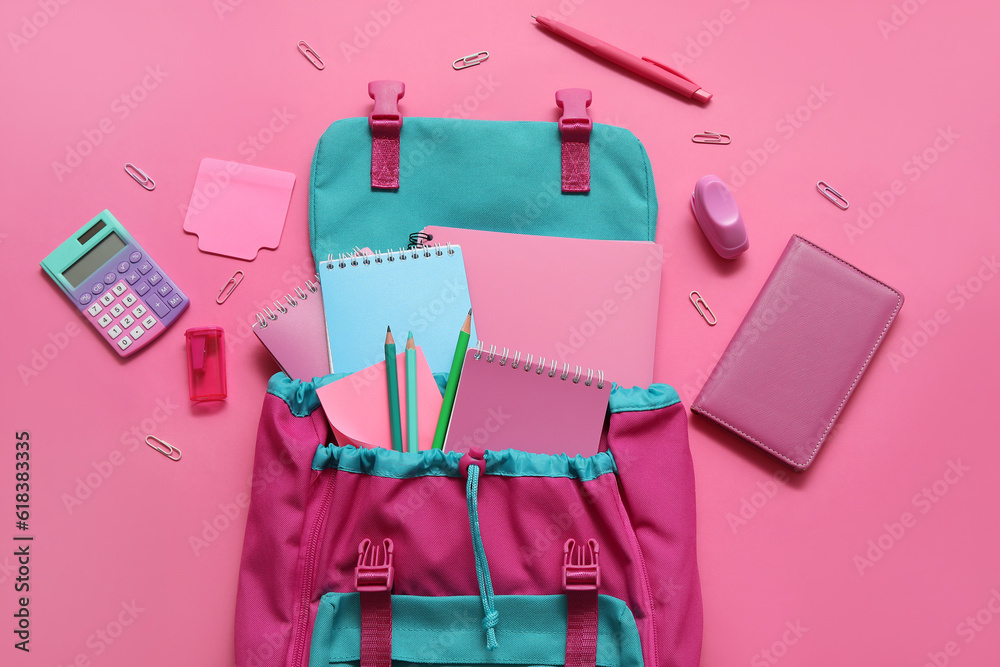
(309, 574)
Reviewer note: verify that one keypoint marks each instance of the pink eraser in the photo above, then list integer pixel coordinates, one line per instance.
(719, 217)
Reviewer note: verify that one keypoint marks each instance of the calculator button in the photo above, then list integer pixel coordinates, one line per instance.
(128, 300)
(117, 310)
(96, 308)
(105, 320)
(127, 321)
(164, 289)
(115, 332)
(142, 288)
(135, 333)
(97, 288)
(145, 267)
(119, 289)
(155, 278)
(122, 267)
(107, 299)
(85, 299)
(175, 300)
(135, 257)
(139, 311)
(125, 342)
(158, 306)
(109, 278)
(133, 277)
(149, 322)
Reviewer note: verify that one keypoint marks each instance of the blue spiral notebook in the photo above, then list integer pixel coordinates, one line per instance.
(423, 290)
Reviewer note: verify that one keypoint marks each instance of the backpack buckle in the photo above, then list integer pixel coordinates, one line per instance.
(374, 572)
(385, 119)
(581, 567)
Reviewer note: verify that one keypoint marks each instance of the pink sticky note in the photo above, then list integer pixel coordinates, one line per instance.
(237, 209)
(357, 406)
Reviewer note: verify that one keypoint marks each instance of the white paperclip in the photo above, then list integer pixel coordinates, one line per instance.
(832, 195)
(311, 55)
(699, 303)
(470, 60)
(139, 176)
(170, 450)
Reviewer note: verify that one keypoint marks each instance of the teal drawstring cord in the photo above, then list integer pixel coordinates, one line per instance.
(490, 615)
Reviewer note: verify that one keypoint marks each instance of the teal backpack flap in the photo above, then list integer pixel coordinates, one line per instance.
(376, 181)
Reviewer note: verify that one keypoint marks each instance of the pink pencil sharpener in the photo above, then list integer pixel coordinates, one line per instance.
(719, 218)
(206, 354)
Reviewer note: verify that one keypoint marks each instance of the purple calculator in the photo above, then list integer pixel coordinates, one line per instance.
(115, 284)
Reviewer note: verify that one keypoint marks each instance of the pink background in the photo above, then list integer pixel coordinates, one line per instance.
(885, 98)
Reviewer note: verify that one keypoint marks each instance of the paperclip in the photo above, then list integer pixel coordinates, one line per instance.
(170, 450)
(139, 176)
(698, 301)
(707, 137)
(311, 55)
(832, 195)
(226, 290)
(470, 60)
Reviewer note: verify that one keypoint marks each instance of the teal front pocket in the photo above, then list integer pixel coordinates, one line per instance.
(448, 631)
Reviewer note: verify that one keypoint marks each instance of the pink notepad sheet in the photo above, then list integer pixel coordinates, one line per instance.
(581, 301)
(357, 406)
(514, 407)
(237, 209)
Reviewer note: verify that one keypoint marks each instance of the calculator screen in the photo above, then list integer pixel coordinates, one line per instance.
(98, 255)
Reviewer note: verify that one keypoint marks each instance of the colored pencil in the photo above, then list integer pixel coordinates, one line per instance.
(449, 391)
(392, 382)
(412, 438)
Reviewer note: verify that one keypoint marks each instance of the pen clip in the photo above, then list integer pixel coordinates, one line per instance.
(669, 69)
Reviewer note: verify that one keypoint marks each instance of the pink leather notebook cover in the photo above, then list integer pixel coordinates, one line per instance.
(799, 353)
(508, 406)
(581, 301)
(357, 406)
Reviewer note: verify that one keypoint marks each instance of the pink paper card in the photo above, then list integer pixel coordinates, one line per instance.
(357, 406)
(237, 209)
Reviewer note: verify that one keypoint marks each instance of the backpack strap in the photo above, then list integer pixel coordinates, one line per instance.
(373, 578)
(574, 127)
(386, 124)
(581, 579)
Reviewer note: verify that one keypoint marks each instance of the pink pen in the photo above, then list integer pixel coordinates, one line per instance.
(645, 67)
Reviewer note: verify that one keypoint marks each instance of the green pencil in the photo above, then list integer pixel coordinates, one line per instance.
(412, 444)
(452, 386)
(392, 381)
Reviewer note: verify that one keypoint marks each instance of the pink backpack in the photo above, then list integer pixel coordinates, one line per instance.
(374, 557)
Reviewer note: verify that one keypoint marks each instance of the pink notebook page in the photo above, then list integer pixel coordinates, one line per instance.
(357, 406)
(514, 407)
(581, 301)
(237, 209)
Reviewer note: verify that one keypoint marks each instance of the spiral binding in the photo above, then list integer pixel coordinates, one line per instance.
(540, 366)
(345, 259)
(419, 240)
(299, 294)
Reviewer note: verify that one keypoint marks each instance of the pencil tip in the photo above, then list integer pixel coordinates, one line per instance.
(470, 311)
(410, 345)
(409, 335)
(533, 16)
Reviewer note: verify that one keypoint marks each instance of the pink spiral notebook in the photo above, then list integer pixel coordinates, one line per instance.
(294, 332)
(511, 400)
(580, 301)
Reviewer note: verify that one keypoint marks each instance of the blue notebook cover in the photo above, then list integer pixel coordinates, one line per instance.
(423, 290)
